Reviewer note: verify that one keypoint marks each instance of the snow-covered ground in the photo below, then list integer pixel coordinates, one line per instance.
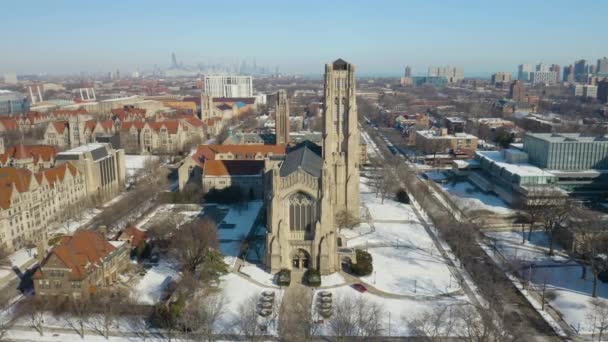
(150, 288)
(258, 275)
(237, 293)
(21, 259)
(469, 198)
(395, 312)
(70, 226)
(389, 210)
(134, 163)
(561, 275)
(406, 261)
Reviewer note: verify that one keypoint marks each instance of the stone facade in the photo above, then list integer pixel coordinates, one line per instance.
(307, 188)
(103, 168)
(80, 266)
(282, 118)
(31, 202)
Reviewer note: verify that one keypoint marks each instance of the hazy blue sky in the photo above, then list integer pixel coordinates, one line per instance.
(380, 36)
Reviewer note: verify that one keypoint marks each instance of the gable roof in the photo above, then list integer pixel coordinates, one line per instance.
(233, 167)
(82, 252)
(60, 126)
(36, 152)
(302, 158)
(126, 126)
(170, 125)
(10, 124)
(132, 234)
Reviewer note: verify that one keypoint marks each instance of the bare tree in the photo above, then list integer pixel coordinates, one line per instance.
(346, 220)
(78, 313)
(246, 323)
(355, 317)
(109, 306)
(598, 317)
(202, 314)
(553, 217)
(34, 308)
(479, 325)
(433, 326)
(590, 235)
(193, 242)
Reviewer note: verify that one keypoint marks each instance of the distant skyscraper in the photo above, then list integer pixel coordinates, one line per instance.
(523, 72)
(229, 86)
(602, 67)
(555, 69)
(542, 67)
(408, 71)
(580, 70)
(568, 74)
(543, 77)
(501, 77)
(174, 64)
(602, 90)
(516, 91)
(452, 74)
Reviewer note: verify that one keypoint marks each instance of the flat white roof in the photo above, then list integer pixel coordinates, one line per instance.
(84, 148)
(523, 170)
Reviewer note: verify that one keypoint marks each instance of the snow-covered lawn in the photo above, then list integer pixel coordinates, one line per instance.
(389, 210)
(258, 275)
(395, 312)
(237, 293)
(470, 198)
(561, 275)
(150, 288)
(410, 271)
(406, 261)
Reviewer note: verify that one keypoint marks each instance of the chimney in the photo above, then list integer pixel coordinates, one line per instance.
(103, 230)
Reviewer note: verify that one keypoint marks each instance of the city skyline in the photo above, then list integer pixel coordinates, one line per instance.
(382, 38)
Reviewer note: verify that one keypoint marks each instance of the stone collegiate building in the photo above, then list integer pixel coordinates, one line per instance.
(307, 187)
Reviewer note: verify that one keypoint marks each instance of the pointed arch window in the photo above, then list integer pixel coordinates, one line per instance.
(302, 212)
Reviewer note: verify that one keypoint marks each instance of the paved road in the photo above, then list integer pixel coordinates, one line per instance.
(295, 315)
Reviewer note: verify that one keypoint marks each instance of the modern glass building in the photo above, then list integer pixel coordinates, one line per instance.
(12, 103)
(567, 151)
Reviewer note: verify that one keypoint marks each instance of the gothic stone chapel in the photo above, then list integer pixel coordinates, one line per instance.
(307, 187)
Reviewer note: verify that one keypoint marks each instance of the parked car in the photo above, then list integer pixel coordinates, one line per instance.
(359, 287)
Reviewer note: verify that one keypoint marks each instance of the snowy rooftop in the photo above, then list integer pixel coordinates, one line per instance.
(84, 148)
(568, 137)
(523, 170)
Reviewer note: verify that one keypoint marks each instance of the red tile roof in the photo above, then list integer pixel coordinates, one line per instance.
(126, 126)
(70, 112)
(36, 152)
(9, 177)
(60, 126)
(82, 252)
(170, 125)
(133, 235)
(9, 124)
